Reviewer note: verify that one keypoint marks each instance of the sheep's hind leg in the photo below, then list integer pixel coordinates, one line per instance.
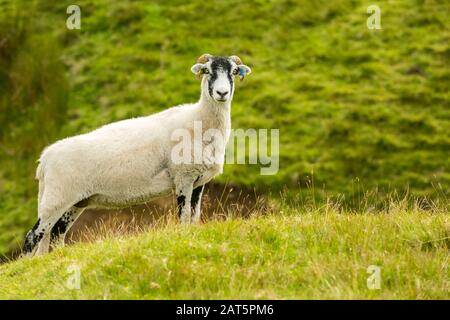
(63, 225)
(43, 245)
(196, 200)
(36, 240)
(32, 239)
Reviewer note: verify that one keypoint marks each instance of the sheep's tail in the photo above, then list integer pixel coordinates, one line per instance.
(40, 178)
(39, 170)
(41, 166)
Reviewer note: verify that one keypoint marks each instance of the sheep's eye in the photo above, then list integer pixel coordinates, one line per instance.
(205, 71)
(236, 71)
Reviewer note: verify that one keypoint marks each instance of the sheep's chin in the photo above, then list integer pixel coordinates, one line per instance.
(215, 100)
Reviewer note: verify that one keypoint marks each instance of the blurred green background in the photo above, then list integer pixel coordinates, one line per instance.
(358, 110)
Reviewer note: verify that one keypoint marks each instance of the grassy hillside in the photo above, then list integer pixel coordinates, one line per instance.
(313, 255)
(360, 109)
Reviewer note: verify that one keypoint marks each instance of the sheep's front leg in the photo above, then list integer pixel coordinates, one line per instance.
(196, 200)
(184, 195)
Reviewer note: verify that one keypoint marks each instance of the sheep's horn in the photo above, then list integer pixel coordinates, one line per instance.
(236, 59)
(204, 58)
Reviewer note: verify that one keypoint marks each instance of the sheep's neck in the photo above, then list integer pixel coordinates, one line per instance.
(216, 116)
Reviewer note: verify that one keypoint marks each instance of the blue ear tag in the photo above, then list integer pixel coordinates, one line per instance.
(242, 73)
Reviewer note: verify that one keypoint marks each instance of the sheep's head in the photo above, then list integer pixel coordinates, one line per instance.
(217, 75)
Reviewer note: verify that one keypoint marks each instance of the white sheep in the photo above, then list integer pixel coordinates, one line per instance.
(130, 161)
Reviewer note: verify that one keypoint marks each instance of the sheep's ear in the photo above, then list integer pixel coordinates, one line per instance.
(196, 68)
(244, 71)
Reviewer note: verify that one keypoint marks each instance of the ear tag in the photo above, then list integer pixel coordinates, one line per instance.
(242, 73)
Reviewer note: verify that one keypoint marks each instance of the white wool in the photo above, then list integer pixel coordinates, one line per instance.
(128, 161)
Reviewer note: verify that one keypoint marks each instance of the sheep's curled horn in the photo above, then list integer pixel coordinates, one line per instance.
(204, 58)
(236, 59)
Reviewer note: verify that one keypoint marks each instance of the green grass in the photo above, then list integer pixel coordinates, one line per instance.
(320, 254)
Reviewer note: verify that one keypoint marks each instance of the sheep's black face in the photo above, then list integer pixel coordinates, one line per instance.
(218, 77)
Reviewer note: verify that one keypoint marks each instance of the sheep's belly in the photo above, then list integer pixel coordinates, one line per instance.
(158, 186)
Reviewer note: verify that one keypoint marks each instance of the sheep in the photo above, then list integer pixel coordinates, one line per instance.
(130, 161)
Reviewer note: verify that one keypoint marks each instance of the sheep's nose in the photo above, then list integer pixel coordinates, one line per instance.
(222, 93)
